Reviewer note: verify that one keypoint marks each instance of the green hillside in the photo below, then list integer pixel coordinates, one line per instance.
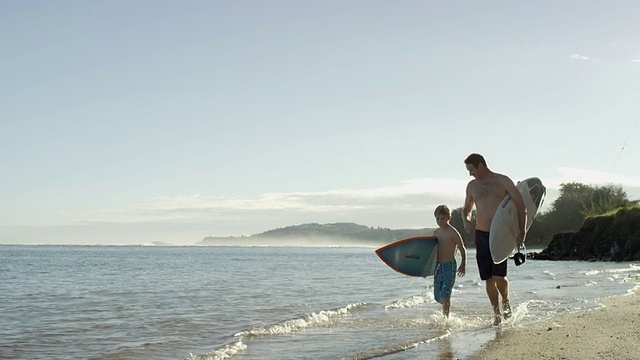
(313, 234)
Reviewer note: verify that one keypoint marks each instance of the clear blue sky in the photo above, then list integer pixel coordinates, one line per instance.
(127, 122)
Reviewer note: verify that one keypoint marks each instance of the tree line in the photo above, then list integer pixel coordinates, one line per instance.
(575, 203)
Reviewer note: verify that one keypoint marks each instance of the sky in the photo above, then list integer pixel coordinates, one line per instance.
(129, 122)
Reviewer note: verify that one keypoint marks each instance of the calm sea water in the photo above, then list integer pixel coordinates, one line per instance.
(101, 302)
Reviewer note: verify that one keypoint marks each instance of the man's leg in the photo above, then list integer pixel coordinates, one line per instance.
(502, 284)
(493, 294)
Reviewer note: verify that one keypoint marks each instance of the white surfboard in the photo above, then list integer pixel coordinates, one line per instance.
(504, 227)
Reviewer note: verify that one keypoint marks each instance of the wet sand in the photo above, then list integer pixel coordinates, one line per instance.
(610, 332)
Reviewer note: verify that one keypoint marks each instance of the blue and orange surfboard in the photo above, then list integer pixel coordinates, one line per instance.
(416, 256)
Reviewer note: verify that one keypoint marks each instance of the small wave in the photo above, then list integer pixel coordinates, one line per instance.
(411, 301)
(630, 268)
(633, 290)
(225, 352)
(592, 272)
(518, 314)
(285, 327)
(396, 348)
(453, 321)
(292, 325)
(532, 311)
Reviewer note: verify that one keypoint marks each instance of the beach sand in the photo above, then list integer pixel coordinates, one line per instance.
(610, 332)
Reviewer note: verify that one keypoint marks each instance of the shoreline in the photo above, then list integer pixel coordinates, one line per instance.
(608, 332)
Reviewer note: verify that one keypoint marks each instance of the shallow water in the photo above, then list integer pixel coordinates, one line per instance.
(110, 302)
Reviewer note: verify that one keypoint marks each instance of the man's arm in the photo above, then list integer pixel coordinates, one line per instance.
(466, 211)
(517, 199)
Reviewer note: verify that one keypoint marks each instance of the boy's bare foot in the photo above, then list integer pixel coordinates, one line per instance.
(506, 310)
(497, 320)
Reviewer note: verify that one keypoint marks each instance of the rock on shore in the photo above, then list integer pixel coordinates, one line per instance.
(611, 237)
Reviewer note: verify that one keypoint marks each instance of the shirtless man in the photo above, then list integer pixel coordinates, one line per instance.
(487, 191)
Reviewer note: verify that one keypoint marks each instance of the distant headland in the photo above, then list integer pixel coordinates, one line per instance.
(319, 235)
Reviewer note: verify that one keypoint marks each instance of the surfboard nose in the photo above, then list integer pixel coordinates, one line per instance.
(537, 191)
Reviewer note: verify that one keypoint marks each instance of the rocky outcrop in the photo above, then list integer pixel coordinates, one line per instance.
(614, 237)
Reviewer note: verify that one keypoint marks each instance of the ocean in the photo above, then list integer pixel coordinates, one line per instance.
(144, 302)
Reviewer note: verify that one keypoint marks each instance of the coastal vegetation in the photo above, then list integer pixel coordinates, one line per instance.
(576, 203)
(612, 236)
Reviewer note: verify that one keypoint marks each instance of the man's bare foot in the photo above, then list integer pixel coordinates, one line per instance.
(506, 310)
(497, 320)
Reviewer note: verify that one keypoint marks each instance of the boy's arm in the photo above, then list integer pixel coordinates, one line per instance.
(463, 252)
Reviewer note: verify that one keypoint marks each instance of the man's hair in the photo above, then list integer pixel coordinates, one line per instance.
(475, 160)
(442, 210)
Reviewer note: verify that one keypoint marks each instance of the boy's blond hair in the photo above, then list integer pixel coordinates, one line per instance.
(442, 210)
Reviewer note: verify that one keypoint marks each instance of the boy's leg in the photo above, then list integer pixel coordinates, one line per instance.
(449, 269)
(446, 305)
(437, 285)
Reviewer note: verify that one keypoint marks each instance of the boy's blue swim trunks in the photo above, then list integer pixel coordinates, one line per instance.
(443, 280)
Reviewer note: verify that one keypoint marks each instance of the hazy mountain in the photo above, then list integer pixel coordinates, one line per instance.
(338, 234)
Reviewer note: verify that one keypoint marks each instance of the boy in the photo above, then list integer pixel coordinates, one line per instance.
(445, 275)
